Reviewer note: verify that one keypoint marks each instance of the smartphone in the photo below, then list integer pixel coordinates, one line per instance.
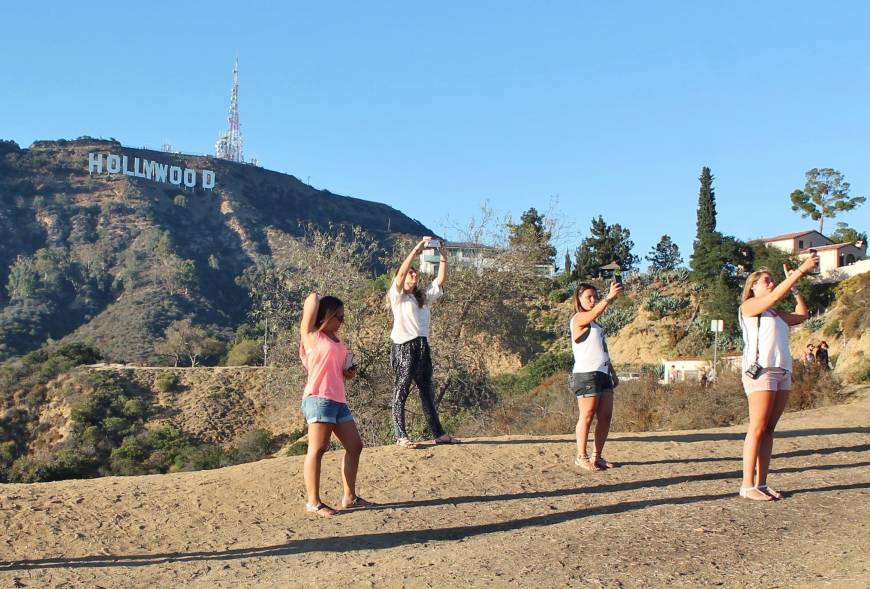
(433, 243)
(617, 278)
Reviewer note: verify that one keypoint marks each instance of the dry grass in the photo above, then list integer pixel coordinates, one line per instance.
(647, 405)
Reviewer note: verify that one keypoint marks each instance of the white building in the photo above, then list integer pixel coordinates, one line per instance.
(460, 254)
(834, 258)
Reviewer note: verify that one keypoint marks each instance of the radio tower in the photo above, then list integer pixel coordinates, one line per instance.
(229, 146)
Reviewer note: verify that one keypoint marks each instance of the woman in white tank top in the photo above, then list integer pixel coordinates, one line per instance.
(590, 379)
(766, 368)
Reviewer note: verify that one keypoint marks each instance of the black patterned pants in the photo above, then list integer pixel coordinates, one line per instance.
(412, 361)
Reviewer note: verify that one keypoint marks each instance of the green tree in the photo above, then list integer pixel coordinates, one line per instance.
(706, 222)
(704, 263)
(532, 236)
(825, 194)
(605, 244)
(665, 255)
(187, 341)
(846, 234)
(567, 268)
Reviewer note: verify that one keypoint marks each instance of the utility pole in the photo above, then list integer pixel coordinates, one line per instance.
(716, 326)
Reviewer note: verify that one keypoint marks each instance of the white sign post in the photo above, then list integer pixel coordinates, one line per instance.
(716, 326)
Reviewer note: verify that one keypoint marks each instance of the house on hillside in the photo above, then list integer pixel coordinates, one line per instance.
(837, 261)
(472, 255)
(459, 254)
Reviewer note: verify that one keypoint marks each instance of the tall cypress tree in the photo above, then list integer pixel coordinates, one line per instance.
(706, 237)
(706, 205)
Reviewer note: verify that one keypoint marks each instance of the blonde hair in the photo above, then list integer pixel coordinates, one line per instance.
(750, 282)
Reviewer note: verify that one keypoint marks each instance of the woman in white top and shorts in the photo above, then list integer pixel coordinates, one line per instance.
(410, 356)
(592, 379)
(766, 368)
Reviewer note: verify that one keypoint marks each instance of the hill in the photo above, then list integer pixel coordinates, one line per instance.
(113, 258)
(493, 512)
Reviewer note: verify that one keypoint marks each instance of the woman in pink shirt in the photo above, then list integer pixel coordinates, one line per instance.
(324, 403)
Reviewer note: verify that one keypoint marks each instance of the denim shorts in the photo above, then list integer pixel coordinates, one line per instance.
(320, 410)
(590, 384)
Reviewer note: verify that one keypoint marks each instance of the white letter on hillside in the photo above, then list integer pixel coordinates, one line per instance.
(160, 174)
(189, 177)
(136, 168)
(113, 164)
(207, 179)
(175, 175)
(148, 169)
(127, 171)
(95, 163)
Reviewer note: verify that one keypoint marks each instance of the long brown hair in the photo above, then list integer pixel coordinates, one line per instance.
(583, 286)
(418, 293)
(326, 310)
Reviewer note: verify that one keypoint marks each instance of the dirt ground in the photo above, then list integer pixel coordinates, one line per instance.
(500, 512)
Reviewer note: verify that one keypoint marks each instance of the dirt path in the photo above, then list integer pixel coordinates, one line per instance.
(503, 512)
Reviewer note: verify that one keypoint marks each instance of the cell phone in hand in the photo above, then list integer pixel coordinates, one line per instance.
(617, 278)
(433, 243)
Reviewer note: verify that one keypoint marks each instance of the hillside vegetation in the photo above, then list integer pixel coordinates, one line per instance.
(113, 260)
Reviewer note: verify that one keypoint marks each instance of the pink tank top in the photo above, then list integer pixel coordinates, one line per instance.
(325, 366)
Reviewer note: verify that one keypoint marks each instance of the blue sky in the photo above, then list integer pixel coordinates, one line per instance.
(609, 108)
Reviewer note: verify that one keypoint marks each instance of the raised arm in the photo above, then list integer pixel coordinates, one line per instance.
(755, 306)
(801, 311)
(580, 321)
(307, 328)
(399, 281)
(442, 266)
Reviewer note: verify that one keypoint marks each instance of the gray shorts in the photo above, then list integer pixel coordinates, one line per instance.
(589, 384)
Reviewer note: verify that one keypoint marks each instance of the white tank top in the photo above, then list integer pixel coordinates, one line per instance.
(772, 341)
(590, 354)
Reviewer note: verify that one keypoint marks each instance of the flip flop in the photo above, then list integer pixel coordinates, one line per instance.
(407, 444)
(445, 439)
(357, 503)
(776, 495)
(586, 464)
(321, 509)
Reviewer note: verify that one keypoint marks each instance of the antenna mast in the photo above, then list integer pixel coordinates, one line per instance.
(229, 146)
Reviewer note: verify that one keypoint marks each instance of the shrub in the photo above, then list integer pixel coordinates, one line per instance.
(661, 305)
(246, 353)
(167, 382)
(814, 323)
(253, 446)
(612, 320)
(833, 329)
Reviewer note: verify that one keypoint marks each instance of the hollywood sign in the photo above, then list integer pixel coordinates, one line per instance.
(142, 168)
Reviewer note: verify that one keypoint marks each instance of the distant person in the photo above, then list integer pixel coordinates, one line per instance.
(822, 356)
(592, 379)
(704, 379)
(410, 355)
(767, 368)
(810, 355)
(324, 402)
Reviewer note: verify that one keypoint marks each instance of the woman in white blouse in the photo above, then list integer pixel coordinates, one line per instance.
(410, 356)
(767, 368)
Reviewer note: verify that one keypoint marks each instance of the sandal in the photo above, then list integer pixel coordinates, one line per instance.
(356, 503)
(774, 494)
(744, 492)
(600, 462)
(445, 439)
(321, 509)
(586, 464)
(406, 443)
